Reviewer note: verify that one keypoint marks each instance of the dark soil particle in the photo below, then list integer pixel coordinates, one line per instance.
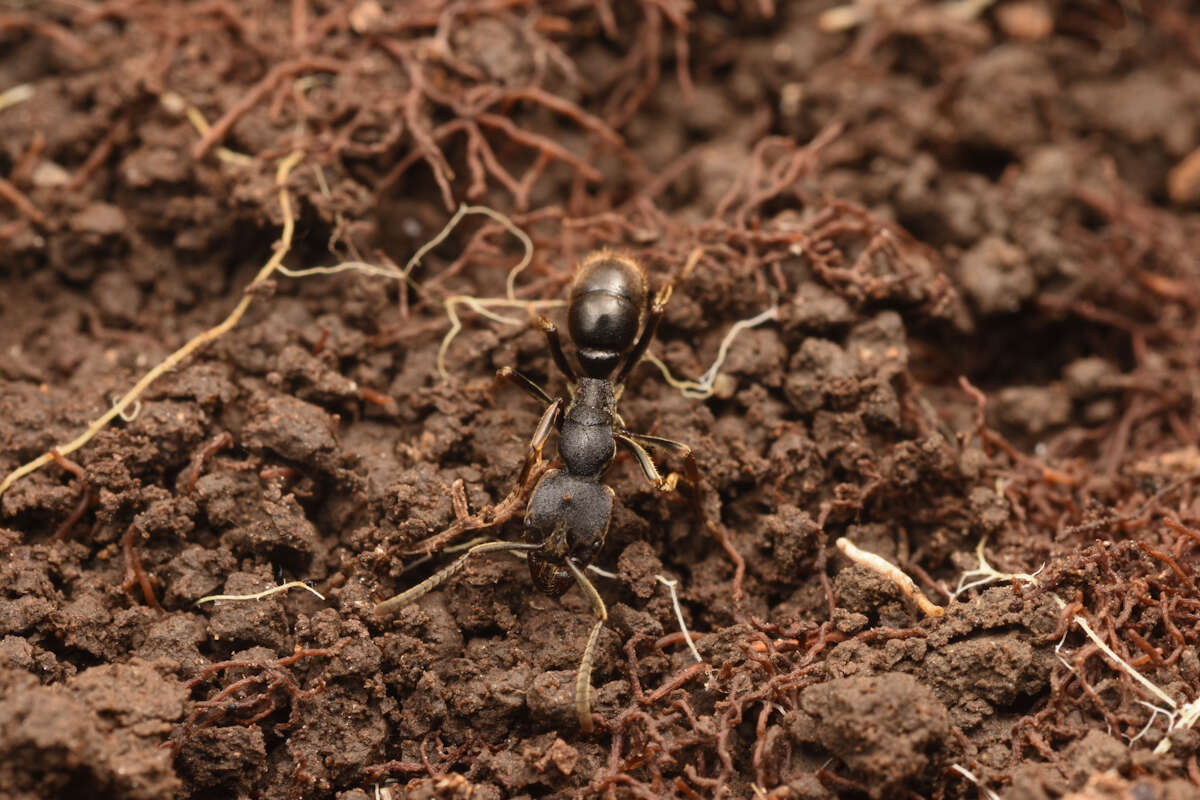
(967, 233)
(888, 728)
(98, 732)
(226, 760)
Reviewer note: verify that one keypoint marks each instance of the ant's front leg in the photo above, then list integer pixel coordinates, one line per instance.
(510, 504)
(541, 434)
(637, 443)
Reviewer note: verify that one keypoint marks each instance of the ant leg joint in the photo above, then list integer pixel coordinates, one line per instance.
(668, 483)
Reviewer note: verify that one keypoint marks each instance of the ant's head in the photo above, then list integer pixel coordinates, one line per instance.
(605, 310)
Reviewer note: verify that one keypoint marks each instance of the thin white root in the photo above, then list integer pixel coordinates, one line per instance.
(847, 17)
(405, 274)
(120, 407)
(1155, 711)
(1177, 716)
(128, 416)
(449, 227)
(1186, 719)
(480, 305)
(985, 573)
(670, 583)
(176, 103)
(16, 94)
(966, 773)
(357, 266)
(966, 10)
(703, 387)
(843, 18)
(212, 598)
(890, 571)
(1184, 716)
(1121, 663)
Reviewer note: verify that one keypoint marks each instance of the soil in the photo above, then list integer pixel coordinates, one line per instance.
(976, 223)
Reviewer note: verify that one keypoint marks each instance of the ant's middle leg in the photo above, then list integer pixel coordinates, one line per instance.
(637, 443)
(583, 679)
(393, 604)
(541, 434)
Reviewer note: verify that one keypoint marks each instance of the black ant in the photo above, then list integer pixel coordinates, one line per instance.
(568, 513)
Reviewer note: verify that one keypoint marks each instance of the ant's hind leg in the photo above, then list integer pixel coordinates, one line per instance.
(554, 341)
(523, 383)
(583, 679)
(657, 309)
(637, 443)
(426, 586)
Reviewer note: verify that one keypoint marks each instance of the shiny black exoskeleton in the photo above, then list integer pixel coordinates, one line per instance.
(610, 324)
(568, 514)
(605, 311)
(570, 508)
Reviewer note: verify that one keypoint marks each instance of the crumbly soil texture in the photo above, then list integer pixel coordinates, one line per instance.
(948, 286)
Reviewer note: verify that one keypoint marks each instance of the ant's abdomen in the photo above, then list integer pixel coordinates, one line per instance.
(605, 310)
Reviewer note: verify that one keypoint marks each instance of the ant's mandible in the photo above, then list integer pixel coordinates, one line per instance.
(568, 513)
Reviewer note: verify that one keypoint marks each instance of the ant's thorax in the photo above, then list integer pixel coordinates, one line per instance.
(586, 437)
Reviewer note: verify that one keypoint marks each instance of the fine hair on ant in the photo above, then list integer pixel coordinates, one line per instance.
(568, 513)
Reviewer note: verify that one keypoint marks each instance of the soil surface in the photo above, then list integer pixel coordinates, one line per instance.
(972, 228)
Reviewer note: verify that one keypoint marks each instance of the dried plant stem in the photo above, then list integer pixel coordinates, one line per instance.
(171, 361)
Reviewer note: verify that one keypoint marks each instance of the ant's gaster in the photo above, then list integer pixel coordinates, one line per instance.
(568, 513)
